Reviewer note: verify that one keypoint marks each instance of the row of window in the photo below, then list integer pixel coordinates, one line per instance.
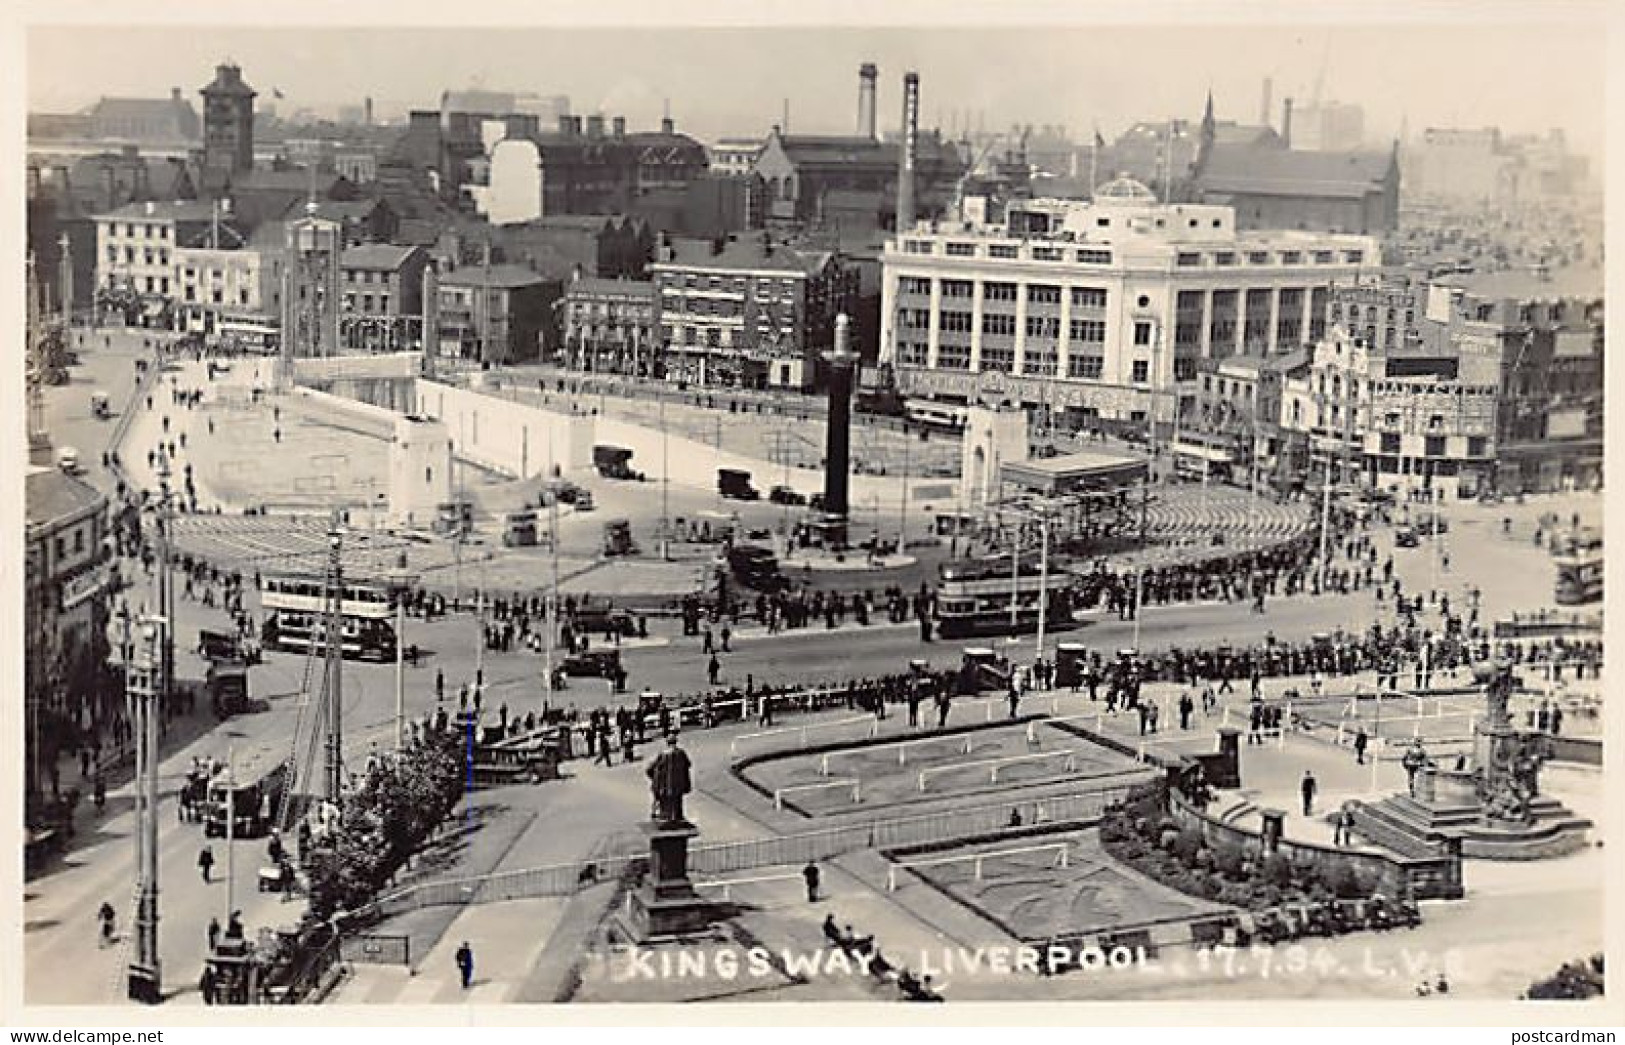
(149, 255)
(365, 276)
(1000, 324)
(1434, 445)
(1228, 258)
(1009, 251)
(736, 284)
(366, 303)
(217, 296)
(140, 230)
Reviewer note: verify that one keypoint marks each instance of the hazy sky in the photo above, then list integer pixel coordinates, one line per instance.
(1522, 76)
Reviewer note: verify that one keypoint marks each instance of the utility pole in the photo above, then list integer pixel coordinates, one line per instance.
(166, 595)
(552, 599)
(400, 585)
(145, 973)
(665, 479)
(335, 661)
(231, 835)
(1325, 523)
(1043, 580)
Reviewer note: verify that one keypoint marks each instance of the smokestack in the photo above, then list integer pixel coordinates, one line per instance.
(866, 100)
(667, 126)
(366, 111)
(595, 126)
(838, 438)
(1268, 106)
(905, 163)
(1286, 122)
(619, 126)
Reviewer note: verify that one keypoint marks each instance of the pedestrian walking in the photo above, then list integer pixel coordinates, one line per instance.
(205, 862)
(206, 985)
(105, 919)
(810, 875)
(214, 934)
(1343, 830)
(1187, 707)
(1361, 741)
(465, 964)
(713, 669)
(1307, 788)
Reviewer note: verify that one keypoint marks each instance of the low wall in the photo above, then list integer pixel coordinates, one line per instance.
(1420, 879)
(523, 440)
(1587, 751)
(351, 415)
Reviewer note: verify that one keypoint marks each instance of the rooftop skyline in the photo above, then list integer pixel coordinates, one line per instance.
(734, 81)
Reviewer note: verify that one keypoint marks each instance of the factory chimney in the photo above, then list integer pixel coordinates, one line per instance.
(1286, 122)
(906, 153)
(866, 100)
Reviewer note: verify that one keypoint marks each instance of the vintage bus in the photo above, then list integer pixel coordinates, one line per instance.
(1579, 571)
(296, 614)
(974, 596)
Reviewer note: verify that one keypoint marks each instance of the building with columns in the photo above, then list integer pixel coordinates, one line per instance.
(1103, 311)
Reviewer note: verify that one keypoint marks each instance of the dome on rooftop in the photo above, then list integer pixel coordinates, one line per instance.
(1124, 189)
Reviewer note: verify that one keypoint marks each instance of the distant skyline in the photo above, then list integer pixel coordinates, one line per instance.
(733, 81)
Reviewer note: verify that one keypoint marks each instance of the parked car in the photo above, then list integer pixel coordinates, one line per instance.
(598, 663)
(1405, 537)
(785, 495)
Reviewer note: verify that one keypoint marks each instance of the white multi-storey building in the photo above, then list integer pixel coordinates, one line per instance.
(1102, 309)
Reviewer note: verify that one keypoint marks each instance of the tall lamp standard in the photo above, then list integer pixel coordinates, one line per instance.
(401, 581)
(144, 981)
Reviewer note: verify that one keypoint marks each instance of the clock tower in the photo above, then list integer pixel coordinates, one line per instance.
(228, 127)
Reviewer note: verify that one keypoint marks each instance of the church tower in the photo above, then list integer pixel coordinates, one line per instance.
(228, 127)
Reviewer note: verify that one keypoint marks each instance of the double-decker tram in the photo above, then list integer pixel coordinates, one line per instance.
(295, 609)
(974, 596)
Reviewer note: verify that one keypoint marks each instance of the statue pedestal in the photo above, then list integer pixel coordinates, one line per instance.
(666, 904)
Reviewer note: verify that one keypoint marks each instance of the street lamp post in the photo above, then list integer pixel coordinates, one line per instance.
(400, 585)
(166, 592)
(335, 663)
(145, 972)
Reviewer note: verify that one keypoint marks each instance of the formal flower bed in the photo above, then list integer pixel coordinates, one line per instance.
(1140, 833)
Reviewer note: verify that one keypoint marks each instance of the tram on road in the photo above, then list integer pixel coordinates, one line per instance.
(295, 610)
(1197, 455)
(974, 596)
(1579, 571)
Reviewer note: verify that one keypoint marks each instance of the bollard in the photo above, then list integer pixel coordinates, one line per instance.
(922, 781)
